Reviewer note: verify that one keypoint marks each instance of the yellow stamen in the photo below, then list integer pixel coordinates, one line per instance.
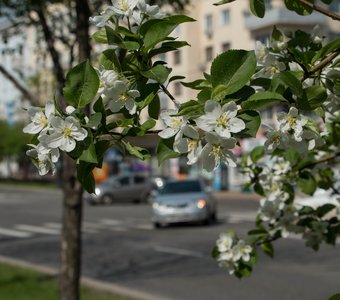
(67, 132)
(192, 145)
(175, 122)
(223, 120)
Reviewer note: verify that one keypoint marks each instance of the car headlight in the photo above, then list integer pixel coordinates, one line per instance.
(201, 203)
(155, 205)
(97, 191)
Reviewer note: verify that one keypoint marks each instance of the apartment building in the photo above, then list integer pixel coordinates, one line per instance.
(232, 26)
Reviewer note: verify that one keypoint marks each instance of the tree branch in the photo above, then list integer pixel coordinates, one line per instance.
(324, 62)
(321, 10)
(25, 92)
(165, 90)
(59, 72)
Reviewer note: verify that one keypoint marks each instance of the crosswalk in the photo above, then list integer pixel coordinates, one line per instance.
(22, 231)
(88, 227)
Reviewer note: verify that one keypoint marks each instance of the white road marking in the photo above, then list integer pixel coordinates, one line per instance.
(58, 226)
(15, 233)
(178, 251)
(239, 217)
(144, 226)
(37, 229)
(110, 222)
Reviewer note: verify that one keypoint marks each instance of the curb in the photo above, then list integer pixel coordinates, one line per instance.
(85, 281)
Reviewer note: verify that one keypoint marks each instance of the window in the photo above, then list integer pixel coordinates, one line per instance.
(177, 89)
(263, 38)
(124, 181)
(209, 53)
(208, 25)
(177, 57)
(225, 47)
(268, 4)
(225, 17)
(139, 179)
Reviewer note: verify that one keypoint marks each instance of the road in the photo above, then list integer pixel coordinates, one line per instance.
(121, 247)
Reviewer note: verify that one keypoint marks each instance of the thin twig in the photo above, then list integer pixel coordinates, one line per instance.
(321, 10)
(326, 159)
(324, 62)
(165, 90)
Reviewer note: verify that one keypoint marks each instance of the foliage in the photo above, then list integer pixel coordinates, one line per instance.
(297, 70)
(13, 141)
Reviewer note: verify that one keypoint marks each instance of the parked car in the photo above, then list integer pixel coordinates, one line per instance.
(122, 188)
(183, 201)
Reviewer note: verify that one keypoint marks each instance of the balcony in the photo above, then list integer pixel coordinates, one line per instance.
(279, 16)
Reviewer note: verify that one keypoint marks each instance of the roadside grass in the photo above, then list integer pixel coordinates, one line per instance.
(18, 283)
(27, 184)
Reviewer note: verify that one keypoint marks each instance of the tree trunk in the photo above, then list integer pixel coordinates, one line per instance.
(71, 248)
(71, 234)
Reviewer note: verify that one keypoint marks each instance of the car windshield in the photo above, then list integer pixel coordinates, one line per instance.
(181, 187)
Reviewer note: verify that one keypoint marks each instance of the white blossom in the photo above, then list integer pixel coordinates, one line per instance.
(224, 243)
(292, 122)
(65, 133)
(39, 118)
(103, 19)
(44, 158)
(174, 123)
(271, 66)
(241, 251)
(217, 149)
(221, 120)
(261, 52)
(124, 7)
(125, 99)
(188, 141)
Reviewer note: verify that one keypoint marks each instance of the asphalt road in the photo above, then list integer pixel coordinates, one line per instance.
(121, 247)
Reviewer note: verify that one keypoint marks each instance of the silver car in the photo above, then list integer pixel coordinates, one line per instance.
(123, 188)
(183, 201)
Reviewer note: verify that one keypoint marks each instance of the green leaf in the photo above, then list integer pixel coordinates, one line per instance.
(159, 31)
(100, 36)
(277, 35)
(223, 2)
(257, 7)
(154, 107)
(99, 106)
(298, 7)
(167, 46)
(189, 107)
(268, 249)
(136, 151)
(174, 78)
(94, 120)
(289, 79)
(81, 86)
(324, 209)
(233, 69)
(109, 61)
(198, 84)
(89, 155)
(165, 150)
(262, 99)
(257, 153)
(158, 73)
(292, 156)
(313, 97)
(307, 183)
(113, 38)
(335, 297)
(151, 123)
(330, 47)
(129, 45)
(85, 176)
(252, 120)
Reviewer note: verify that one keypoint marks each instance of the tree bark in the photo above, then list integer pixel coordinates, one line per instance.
(71, 247)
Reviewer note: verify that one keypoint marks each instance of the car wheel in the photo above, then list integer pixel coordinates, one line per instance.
(157, 225)
(107, 199)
